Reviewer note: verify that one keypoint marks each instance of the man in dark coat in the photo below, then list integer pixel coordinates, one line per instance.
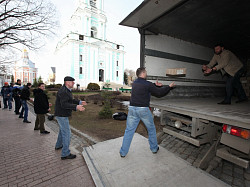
(25, 96)
(16, 92)
(7, 96)
(63, 109)
(41, 107)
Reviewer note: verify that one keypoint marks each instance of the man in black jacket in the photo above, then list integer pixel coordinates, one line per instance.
(139, 110)
(41, 107)
(63, 109)
(25, 96)
(16, 92)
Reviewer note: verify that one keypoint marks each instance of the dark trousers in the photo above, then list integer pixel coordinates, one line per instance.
(234, 83)
(39, 124)
(7, 101)
(17, 104)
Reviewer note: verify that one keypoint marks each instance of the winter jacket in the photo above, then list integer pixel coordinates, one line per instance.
(25, 93)
(16, 91)
(6, 92)
(142, 91)
(41, 103)
(65, 102)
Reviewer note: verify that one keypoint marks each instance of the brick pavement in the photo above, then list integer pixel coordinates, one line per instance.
(226, 171)
(29, 159)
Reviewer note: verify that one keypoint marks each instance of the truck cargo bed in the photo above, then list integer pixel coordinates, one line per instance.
(207, 108)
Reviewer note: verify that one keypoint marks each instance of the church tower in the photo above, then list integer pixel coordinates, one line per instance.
(85, 53)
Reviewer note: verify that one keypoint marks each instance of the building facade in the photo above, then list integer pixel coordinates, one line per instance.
(84, 53)
(25, 69)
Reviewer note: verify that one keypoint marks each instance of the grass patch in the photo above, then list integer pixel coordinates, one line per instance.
(90, 123)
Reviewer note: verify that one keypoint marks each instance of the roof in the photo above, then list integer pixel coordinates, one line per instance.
(198, 21)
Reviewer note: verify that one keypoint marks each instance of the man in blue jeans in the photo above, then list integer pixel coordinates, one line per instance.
(139, 110)
(25, 96)
(63, 109)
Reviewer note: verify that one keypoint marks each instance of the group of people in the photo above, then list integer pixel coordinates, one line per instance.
(142, 90)
(20, 94)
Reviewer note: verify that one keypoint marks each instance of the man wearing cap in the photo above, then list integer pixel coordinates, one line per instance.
(6, 93)
(63, 109)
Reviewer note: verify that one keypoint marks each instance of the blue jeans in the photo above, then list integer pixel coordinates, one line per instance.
(135, 114)
(7, 101)
(25, 109)
(64, 134)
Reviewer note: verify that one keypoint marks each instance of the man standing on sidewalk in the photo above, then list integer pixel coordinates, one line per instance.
(63, 109)
(16, 92)
(41, 107)
(25, 96)
(139, 110)
(6, 93)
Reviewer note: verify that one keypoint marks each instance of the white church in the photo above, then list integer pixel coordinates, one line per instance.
(84, 53)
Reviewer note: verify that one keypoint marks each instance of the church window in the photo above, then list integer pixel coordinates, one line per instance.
(81, 37)
(93, 3)
(117, 74)
(80, 70)
(117, 63)
(93, 32)
(80, 58)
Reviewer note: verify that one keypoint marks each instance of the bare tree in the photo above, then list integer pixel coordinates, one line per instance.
(26, 22)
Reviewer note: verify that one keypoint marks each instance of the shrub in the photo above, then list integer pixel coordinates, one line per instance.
(106, 111)
(93, 86)
(50, 86)
(58, 85)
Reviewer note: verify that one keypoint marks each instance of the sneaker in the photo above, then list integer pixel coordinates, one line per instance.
(26, 121)
(71, 156)
(35, 129)
(21, 117)
(10, 109)
(156, 150)
(57, 148)
(45, 132)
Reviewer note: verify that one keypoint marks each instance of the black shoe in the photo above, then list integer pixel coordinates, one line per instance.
(35, 129)
(71, 156)
(27, 121)
(17, 113)
(241, 100)
(45, 132)
(57, 148)
(156, 150)
(122, 156)
(224, 103)
(21, 117)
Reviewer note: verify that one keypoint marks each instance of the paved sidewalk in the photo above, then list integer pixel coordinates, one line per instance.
(29, 159)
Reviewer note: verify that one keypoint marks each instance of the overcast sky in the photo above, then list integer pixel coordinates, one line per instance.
(116, 11)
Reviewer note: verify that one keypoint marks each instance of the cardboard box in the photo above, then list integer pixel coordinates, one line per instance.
(176, 72)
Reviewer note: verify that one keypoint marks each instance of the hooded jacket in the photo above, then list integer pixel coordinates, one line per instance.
(6, 92)
(41, 103)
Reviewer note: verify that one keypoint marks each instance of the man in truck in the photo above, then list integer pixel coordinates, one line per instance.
(139, 110)
(227, 62)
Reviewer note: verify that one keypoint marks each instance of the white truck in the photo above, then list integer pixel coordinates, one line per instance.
(177, 38)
